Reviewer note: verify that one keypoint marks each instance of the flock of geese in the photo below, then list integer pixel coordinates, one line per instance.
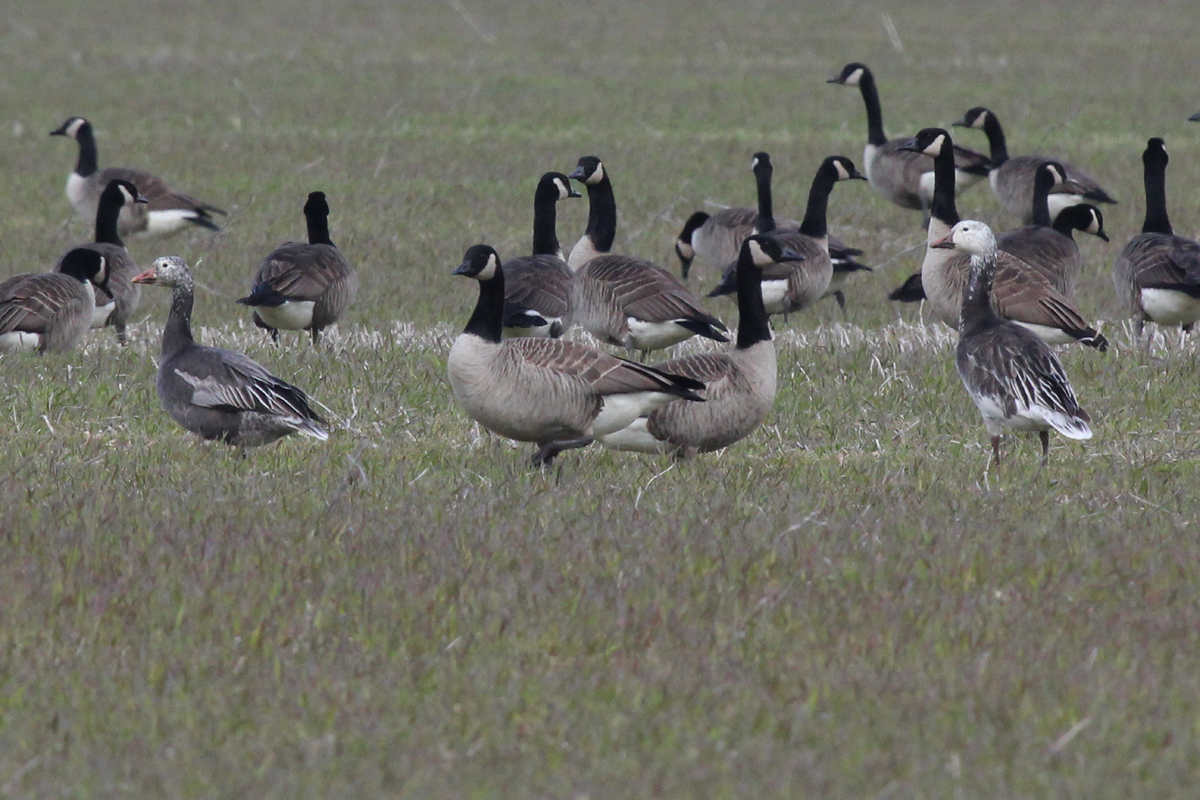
(1008, 295)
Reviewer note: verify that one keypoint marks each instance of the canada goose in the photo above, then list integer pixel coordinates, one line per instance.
(1020, 292)
(51, 312)
(718, 237)
(167, 212)
(116, 301)
(303, 286)
(740, 384)
(555, 393)
(1157, 275)
(1012, 179)
(1016, 381)
(215, 393)
(788, 286)
(844, 265)
(625, 301)
(905, 177)
(537, 288)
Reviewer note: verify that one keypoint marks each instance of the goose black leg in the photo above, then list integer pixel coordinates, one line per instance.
(546, 454)
(1045, 436)
(996, 449)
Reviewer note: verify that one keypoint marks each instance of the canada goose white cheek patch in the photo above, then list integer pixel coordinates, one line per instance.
(685, 249)
(1169, 307)
(854, 78)
(293, 315)
(20, 341)
(756, 253)
(1057, 201)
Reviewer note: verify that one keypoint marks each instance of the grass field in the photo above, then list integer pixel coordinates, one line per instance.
(843, 606)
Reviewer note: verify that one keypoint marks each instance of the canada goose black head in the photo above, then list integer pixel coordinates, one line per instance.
(480, 262)
(1049, 174)
(589, 171)
(975, 118)
(683, 245)
(842, 169)
(555, 186)
(72, 127)
(929, 141)
(316, 205)
(1083, 217)
(760, 163)
(166, 271)
(1155, 153)
(851, 75)
(85, 264)
(122, 192)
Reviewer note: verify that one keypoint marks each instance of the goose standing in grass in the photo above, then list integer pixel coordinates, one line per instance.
(552, 392)
(116, 301)
(903, 176)
(789, 286)
(537, 287)
(219, 394)
(1016, 381)
(51, 312)
(167, 212)
(740, 384)
(304, 286)
(1012, 179)
(625, 301)
(844, 265)
(1157, 275)
(1020, 292)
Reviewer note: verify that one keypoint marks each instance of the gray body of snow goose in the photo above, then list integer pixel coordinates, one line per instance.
(903, 176)
(51, 312)
(1012, 178)
(552, 392)
(789, 286)
(622, 300)
(167, 211)
(303, 286)
(1157, 275)
(119, 297)
(1016, 381)
(219, 394)
(739, 384)
(537, 287)
(1020, 292)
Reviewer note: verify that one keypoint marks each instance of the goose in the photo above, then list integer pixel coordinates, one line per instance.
(1020, 292)
(168, 211)
(1194, 117)
(904, 177)
(621, 300)
(116, 301)
(717, 238)
(1157, 275)
(788, 286)
(51, 312)
(219, 394)
(1016, 381)
(537, 288)
(303, 286)
(1012, 179)
(740, 384)
(555, 393)
(844, 265)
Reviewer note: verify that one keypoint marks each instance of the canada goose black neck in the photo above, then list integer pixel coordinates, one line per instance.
(944, 207)
(178, 333)
(1154, 162)
(762, 178)
(88, 162)
(753, 324)
(995, 137)
(108, 210)
(602, 214)
(545, 218)
(487, 320)
(814, 223)
(316, 214)
(870, 95)
(1043, 181)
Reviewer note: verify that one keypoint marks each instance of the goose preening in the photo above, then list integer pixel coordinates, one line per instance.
(621, 300)
(903, 176)
(1012, 178)
(51, 312)
(1157, 275)
(537, 287)
(552, 392)
(119, 297)
(303, 286)
(215, 393)
(739, 384)
(167, 212)
(1016, 381)
(1020, 292)
(789, 286)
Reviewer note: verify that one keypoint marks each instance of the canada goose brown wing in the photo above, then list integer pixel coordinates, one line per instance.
(1160, 260)
(161, 196)
(1049, 252)
(302, 271)
(541, 283)
(896, 173)
(606, 373)
(646, 291)
(31, 301)
(708, 368)
(1022, 294)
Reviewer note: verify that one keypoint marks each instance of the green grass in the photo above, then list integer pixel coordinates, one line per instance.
(844, 605)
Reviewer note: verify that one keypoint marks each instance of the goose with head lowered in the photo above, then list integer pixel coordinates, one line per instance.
(1013, 178)
(116, 301)
(621, 300)
(167, 211)
(902, 175)
(537, 287)
(1020, 292)
(304, 286)
(51, 312)
(789, 286)
(555, 393)
(1157, 275)
(219, 394)
(739, 384)
(1016, 381)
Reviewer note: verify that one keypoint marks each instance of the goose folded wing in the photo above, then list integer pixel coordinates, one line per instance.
(648, 292)
(538, 283)
(29, 302)
(1029, 373)
(606, 373)
(708, 368)
(1024, 294)
(240, 384)
(161, 197)
(304, 279)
